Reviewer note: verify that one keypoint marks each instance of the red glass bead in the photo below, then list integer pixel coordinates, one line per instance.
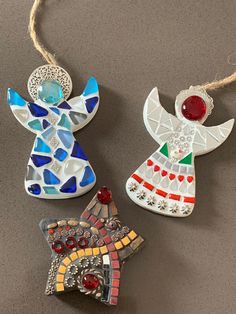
(68, 228)
(58, 246)
(83, 243)
(194, 108)
(90, 282)
(104, 195)
(71, 242)
(51, 231)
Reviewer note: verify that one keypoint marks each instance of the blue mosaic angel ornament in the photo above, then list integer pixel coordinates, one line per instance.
(57, 168)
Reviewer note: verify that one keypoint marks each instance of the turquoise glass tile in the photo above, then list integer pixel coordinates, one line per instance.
(35, 125)
(64, 122)
(91, 87)
(14, 99)
(41, 146)
(50, 190)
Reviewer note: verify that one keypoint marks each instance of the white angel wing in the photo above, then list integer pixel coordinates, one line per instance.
(159, 123)
(85, 106)
(207, 138)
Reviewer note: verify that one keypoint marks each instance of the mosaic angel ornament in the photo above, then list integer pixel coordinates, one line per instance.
(88, 253)
(57, 167)
(165, 182)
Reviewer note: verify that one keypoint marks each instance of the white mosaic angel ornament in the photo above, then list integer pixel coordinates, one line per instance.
(165, 182)
(57, 167)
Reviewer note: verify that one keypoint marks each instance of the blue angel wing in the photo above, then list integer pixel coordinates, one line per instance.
(85, 106)
(30, 115)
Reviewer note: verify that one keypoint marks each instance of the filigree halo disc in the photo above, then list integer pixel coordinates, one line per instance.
(49, 72)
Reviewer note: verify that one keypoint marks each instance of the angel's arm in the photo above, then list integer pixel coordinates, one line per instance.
(28, 114)
(207, 138)
(84, 107)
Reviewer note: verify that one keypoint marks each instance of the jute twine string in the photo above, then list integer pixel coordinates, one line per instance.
(50, 58)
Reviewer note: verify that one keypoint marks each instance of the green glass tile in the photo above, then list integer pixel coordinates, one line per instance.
(186, 160)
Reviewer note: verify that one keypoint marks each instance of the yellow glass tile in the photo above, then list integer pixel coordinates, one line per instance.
(103, 249)
(96, 251)
(80, 253)
(66, 261)
(132, 235)
(125, 240)
(118, 245)
(88, 251)
(73, 256)
(59, 287)
(60, 278)
(62, 269)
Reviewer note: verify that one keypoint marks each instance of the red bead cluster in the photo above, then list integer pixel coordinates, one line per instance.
(70, 243)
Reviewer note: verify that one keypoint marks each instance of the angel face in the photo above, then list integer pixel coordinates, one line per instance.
(194, 105)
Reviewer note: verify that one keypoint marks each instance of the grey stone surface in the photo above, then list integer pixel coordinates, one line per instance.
(187, 265)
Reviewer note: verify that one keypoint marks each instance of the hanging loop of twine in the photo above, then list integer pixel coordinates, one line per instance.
(220, 83)
(50, 58)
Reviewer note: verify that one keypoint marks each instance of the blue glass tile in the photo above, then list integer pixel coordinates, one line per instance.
(88, 178)
(69, 186)
(14, 99)
(66, 137)
(49, 133)
(60, 154)
(50, 190)
(64, 122)
(77, 152)
(91, 87)
(91, 103)
(64, 105)
(34, 189)
(50, 92)
(45, 123)
(50, 178)
(40, 146)
(54, 109)
(37, 111)
(39, 160)
(35, 125)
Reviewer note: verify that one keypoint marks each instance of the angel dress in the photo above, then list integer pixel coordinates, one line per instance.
(58, 167)
(165, 182)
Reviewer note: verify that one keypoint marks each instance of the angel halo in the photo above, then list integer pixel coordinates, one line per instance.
(165, 182)
(57, 167)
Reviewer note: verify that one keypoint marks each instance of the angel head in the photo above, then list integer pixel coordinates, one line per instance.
(193, 104)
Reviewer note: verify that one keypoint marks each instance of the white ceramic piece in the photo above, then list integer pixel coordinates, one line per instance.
(165, 182)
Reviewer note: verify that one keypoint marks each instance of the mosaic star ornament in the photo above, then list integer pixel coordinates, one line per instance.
(88, 253)
(165, 182)
(57, 167)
